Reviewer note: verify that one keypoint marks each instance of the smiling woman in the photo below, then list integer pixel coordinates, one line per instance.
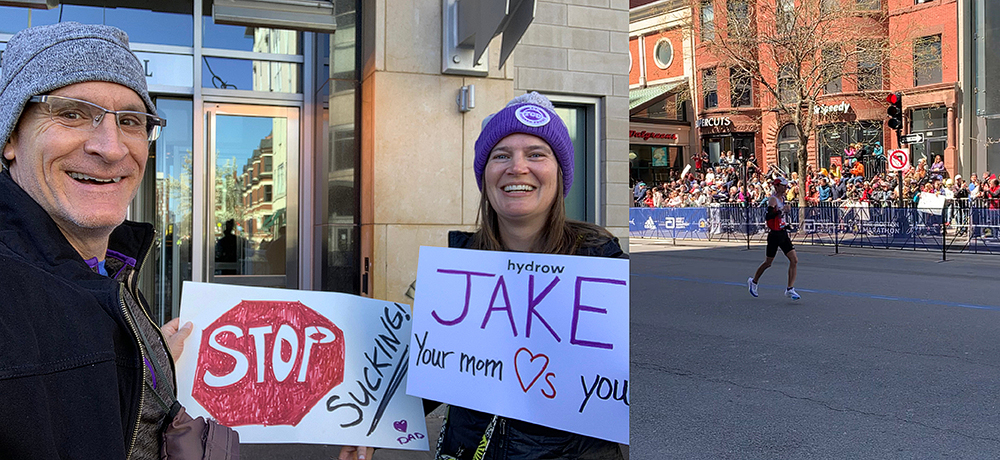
(524, 167)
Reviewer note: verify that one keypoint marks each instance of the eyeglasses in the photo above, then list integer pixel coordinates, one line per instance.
(87, 116)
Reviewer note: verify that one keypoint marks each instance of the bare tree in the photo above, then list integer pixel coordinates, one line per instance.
(796, 51)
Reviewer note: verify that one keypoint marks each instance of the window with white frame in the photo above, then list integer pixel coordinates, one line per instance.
(663, 53)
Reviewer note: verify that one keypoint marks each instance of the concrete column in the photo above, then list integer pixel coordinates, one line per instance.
(951, 151)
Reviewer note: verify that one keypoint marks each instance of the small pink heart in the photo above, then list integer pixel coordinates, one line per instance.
(400, 426)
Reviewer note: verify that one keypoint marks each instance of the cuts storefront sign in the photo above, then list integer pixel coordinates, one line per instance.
(169, 71)
(713, 121)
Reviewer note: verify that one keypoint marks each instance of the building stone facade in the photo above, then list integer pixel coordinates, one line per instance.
(418, 148)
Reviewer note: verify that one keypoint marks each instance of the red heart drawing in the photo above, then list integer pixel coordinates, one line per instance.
(517, 367)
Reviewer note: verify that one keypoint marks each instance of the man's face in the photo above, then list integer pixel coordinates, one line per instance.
(83, 179)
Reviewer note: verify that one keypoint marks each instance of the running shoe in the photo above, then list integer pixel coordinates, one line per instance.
(752, 286)
(790, 292)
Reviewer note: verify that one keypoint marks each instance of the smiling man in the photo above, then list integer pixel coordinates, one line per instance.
(84, 372)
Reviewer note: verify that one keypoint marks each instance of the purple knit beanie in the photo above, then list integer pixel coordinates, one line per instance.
(531, 114)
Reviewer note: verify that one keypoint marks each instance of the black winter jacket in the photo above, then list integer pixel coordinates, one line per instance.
(515, 439)
(76, 382)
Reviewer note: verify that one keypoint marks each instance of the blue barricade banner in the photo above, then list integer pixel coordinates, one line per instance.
(852, 224)
(669, 223)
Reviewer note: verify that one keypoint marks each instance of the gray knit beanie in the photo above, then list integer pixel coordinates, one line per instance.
(42, 59)
(533, 114)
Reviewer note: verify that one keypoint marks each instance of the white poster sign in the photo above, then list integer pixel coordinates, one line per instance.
(931, 203)
(534, 337)
(288, 366)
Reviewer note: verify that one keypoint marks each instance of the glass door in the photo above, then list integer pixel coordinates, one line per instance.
(165, 199)
(252, 195)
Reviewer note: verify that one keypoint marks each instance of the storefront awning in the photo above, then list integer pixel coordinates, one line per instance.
(640, 96)
(274, 220)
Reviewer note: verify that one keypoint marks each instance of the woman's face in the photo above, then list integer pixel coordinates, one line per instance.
(521, 179)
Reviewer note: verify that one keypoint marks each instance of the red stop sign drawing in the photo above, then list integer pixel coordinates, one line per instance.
(267, 363)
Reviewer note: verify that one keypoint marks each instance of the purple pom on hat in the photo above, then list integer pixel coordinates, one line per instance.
(531, 114)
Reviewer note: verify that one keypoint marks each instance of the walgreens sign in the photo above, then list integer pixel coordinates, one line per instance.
(647, 135)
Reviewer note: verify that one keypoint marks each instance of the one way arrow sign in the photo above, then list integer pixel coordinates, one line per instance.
(911, 138)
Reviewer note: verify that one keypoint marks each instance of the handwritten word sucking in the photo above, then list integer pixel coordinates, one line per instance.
(429, 356)
(393, 355)
(531, 313)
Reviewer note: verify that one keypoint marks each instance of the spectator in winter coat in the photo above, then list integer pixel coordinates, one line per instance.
(531, 218)
(84, 372)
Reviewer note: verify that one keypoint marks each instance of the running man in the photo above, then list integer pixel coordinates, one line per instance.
(777, 237)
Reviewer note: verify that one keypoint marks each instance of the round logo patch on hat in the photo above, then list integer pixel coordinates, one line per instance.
(532, 115)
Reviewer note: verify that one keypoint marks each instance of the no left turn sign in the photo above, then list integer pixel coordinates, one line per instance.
(898, 159)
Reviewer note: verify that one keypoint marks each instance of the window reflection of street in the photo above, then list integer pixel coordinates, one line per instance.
(250, 196)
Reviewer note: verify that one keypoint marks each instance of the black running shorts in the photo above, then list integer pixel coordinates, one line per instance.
(778, 239)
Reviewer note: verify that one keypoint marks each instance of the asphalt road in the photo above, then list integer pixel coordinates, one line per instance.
(889, 354)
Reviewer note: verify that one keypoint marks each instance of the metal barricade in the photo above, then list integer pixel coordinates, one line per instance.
(961, 226)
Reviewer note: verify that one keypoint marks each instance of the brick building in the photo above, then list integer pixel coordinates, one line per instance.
(919, 59)
(660, 69)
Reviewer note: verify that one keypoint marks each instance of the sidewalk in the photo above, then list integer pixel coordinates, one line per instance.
(321, 452)
(317, 452)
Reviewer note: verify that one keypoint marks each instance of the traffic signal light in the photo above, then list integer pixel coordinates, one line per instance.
(895, 110)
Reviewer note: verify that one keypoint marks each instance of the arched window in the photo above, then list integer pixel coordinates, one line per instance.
(788, 146)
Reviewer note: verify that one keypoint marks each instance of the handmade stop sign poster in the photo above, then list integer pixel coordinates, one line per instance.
(536, 337)
(288, 366)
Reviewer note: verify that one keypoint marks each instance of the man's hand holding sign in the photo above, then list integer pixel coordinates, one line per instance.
(299, 366)
(534, 337)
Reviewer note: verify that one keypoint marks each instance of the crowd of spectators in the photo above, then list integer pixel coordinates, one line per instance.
(729, 181)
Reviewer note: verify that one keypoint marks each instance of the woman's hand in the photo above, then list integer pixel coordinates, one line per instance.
(175, 337)
(356, 453)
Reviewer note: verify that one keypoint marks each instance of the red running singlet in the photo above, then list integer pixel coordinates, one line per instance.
(774, 215)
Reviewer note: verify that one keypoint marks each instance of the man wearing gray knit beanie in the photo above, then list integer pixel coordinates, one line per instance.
(84, 372)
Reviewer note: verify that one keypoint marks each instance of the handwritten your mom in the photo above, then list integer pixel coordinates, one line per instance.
(529, 367)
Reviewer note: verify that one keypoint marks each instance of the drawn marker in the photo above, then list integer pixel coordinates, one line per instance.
(394, 381)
